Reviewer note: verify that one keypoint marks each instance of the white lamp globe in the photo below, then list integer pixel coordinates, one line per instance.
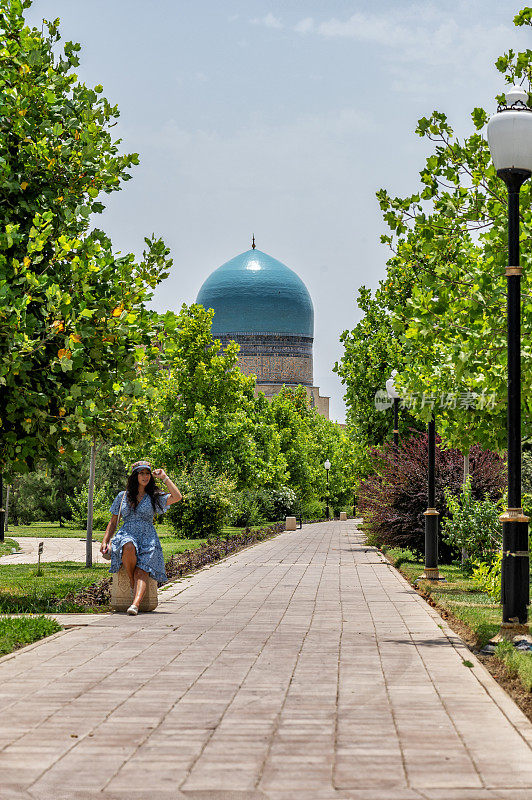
(327, 465)
(393, 394)
(510, 133)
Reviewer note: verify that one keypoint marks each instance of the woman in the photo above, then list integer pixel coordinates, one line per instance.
(136, 545)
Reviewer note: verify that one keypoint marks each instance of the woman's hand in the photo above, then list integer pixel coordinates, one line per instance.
(104, 547)
(175, 494)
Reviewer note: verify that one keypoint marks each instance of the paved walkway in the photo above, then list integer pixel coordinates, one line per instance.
(55, 549)
(301, 668)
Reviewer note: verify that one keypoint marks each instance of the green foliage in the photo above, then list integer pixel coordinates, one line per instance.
(15, 633)
(371, 350)
(526, 472)
(43, 493)
(206, 503)
(35, 497)
(439, 316)
(487, 576)
(306, 441)
(73, 317)
(78, 504)
(474, 524)
(312, 510)
(203, 407)
(256, 506)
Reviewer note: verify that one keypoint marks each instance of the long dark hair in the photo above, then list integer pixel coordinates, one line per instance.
(132, 491)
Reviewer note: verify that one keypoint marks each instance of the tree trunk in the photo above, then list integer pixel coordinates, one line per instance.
(90, 507)
(7, 507)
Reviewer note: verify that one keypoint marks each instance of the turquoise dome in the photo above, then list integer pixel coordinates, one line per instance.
(256, 294)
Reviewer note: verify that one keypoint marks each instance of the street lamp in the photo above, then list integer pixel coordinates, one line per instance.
(510, 142)
(393, 394)
(327, 465)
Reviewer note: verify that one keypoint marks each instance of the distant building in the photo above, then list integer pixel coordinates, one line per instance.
(266, 308)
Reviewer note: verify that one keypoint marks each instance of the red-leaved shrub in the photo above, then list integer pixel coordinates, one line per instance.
(393, 499)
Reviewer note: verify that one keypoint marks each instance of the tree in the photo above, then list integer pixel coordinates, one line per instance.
(72, 319)
(201, 406)
(449, 248)
(371, 350)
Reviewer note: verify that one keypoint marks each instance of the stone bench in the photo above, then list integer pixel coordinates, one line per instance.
(121, 597)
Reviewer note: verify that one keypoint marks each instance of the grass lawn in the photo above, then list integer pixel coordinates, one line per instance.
(7, 546)
(47, 530)
(460, 597)
(15, 633)
(22, 590)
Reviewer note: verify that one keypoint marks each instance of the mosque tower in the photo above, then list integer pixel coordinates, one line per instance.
(266, 308)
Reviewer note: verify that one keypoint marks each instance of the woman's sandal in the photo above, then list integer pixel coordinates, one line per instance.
(133, 610)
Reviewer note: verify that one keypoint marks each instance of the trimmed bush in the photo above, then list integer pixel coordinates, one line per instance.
(392, 500)
(207, 502)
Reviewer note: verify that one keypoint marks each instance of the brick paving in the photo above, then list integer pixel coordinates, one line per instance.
(301, 668)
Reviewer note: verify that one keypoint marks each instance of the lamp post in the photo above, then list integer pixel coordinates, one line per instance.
(393, 394)
(327, 465)
(510, 143)
(431, 572)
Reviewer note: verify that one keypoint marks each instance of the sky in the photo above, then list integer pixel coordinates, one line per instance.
(280, 119)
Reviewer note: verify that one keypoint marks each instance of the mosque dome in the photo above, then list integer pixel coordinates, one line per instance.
(254, 294)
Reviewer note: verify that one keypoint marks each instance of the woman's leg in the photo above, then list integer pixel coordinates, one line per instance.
(141, 583)
(129, 560)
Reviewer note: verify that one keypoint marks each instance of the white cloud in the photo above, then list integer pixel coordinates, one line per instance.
(423, 45)
(305, 25)
(416, 33)
(268, 21)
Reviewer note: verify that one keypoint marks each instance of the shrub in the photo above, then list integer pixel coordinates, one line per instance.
(393, 500)
(282, 502)
(253, 507)
(487, 576)
(206, 505)
(247, 509)
(313, 509)
(474, 524)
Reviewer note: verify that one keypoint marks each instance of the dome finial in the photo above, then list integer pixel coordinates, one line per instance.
(253, 242)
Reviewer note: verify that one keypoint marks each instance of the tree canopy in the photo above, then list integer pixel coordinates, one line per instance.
(440, 315)
(73, 321)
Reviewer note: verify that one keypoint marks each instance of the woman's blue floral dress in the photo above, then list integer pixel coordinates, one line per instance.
(138, 528)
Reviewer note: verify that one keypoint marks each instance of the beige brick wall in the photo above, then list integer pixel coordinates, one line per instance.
(278, 368)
